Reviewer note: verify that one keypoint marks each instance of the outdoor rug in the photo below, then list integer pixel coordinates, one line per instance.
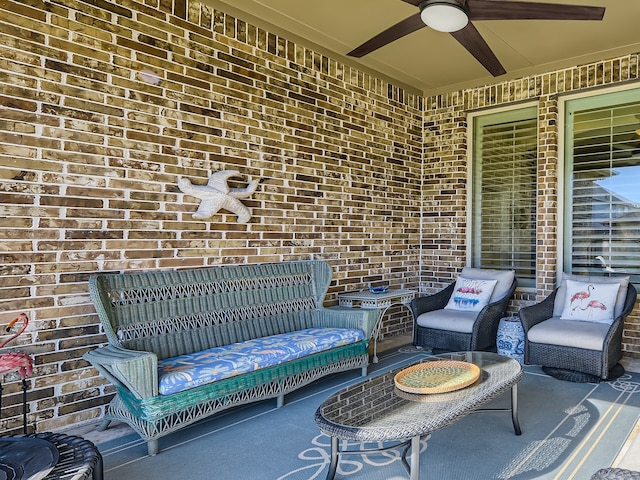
(569, 431)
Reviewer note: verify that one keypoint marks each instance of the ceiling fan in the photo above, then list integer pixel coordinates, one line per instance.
(455, 17)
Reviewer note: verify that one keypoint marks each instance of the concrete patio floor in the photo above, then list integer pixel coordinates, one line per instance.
(628, 458)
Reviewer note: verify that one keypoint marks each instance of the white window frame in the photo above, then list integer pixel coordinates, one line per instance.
(471, 121)
(564, 240)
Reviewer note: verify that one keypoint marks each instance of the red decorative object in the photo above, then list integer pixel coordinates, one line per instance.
(16, 361)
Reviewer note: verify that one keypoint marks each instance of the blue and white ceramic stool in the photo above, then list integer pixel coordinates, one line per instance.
(510, 341)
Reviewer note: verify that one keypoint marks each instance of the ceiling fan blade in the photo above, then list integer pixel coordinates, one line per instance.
(471, 39)
(415, 3)
(391, 34)
(508, 10)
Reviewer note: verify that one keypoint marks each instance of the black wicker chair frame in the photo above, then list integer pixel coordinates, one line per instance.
(597, 363)
(615, 474)
(485, 328)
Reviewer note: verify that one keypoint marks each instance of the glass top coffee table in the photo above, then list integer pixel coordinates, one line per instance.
(375, 410)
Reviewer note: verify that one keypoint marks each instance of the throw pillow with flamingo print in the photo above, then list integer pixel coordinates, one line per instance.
(623, 281)
(593, 302)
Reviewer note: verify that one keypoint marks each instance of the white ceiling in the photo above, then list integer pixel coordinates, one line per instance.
(431, 62)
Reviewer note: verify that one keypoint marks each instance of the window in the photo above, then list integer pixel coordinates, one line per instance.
(602, 185)
(504, 169)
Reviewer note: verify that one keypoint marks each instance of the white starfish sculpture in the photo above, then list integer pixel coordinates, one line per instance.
(217, 195)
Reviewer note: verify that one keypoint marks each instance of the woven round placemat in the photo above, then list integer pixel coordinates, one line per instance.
(439, 376)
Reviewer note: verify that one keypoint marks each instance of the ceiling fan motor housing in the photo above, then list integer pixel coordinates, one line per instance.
(458, 3)
(444, 15)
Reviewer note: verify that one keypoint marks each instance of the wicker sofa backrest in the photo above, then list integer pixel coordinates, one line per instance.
(177, 312)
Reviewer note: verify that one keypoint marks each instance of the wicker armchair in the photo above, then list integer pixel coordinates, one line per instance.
(456, 331)
(563, 352)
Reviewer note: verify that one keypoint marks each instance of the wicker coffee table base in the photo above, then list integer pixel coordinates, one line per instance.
(377, 411)
(413, 465)
(412, 444)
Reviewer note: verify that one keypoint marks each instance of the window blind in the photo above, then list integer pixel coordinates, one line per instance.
(603, 185)
(504, 206)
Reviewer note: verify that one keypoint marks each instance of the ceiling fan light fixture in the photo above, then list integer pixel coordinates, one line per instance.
(444, 16)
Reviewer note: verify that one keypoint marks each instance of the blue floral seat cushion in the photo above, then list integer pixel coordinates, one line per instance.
(188, 371)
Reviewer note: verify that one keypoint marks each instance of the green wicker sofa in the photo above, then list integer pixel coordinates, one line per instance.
(154, 317)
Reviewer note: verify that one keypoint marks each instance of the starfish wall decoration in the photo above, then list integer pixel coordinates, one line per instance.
(217, 195)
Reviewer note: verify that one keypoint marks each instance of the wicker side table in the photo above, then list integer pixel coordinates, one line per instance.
(79, 459)
(380, 301)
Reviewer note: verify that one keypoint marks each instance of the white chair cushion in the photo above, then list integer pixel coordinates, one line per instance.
(590, 302)
(504, 278)
(569, 333)
(558, 305)
(452, 320)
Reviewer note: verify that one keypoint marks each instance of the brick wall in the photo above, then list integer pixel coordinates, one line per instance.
(90, 157)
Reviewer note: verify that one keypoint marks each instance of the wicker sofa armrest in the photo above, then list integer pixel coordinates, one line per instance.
(360, 318)
(536, 313)
(436, 301)
(128, 369)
